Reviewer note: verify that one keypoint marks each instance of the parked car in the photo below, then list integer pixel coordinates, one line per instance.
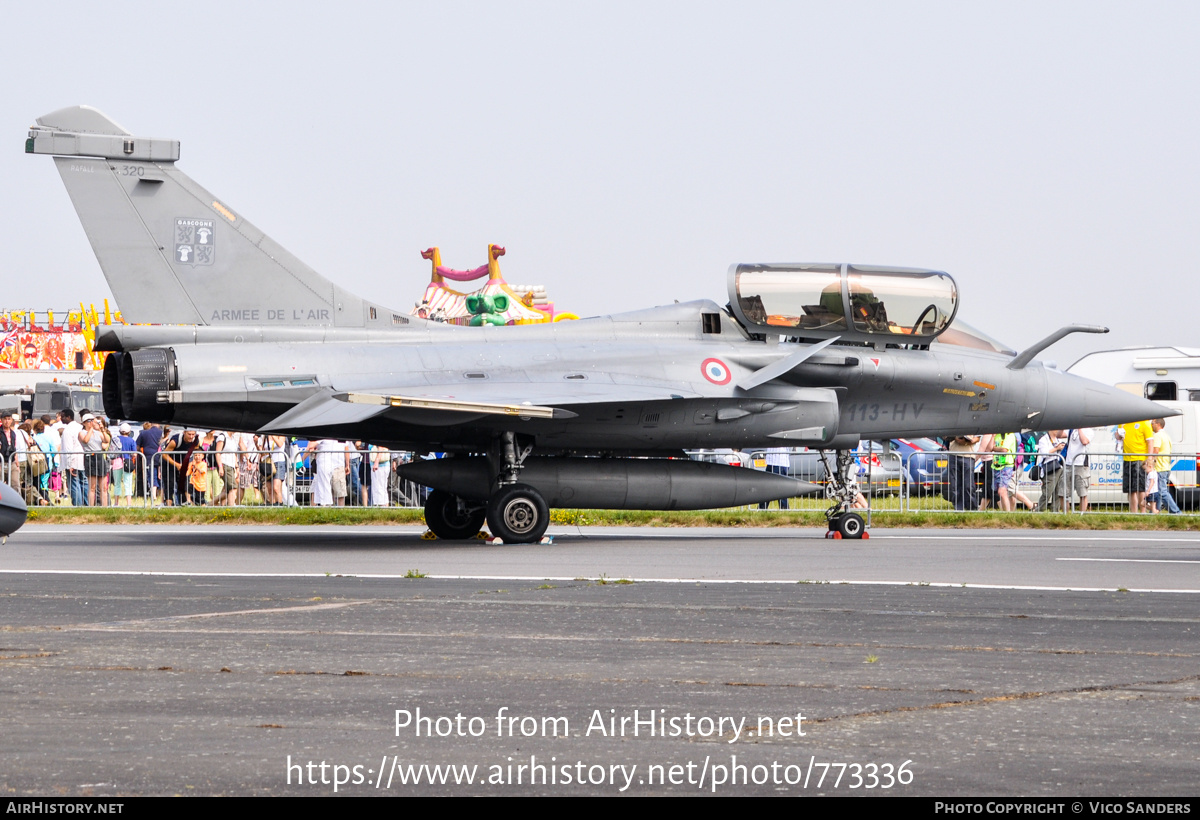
(734, 458)
(926, 464)
(883, 466)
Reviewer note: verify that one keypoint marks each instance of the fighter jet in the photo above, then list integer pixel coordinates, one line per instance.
(594, 413)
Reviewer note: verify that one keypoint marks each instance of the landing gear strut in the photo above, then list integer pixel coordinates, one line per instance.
(516, 513)
(842, 523)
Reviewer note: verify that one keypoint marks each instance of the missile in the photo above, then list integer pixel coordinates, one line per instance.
(12, 511)
(616, 483)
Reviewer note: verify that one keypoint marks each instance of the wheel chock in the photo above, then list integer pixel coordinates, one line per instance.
(428, 536)
(866, 534)
(482, 535)
(838, 536)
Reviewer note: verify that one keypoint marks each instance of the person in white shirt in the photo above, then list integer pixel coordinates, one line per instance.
(381, 469)
(779, 463)
(247, 464)
(72, 459)
(329, 460)
(227, 462)
(1050, 446)
(1077, 477)
(95, 439)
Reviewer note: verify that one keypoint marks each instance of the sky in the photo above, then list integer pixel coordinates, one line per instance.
(625, 154)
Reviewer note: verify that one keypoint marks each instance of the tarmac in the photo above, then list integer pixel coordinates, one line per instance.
(366, 661)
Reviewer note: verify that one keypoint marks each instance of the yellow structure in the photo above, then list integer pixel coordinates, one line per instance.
(35, 341)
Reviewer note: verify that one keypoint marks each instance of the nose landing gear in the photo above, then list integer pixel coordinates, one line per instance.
(842, 523)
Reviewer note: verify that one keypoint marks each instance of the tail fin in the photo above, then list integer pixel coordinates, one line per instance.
(172, 252)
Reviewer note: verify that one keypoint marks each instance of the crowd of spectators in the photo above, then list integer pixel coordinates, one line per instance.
(983, 471)
(84, 462)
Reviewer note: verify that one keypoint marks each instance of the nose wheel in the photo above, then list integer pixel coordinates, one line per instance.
(847, 525)
(843, 524)
(517, 514)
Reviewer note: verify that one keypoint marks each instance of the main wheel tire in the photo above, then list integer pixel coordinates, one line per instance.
(517, 514)
(851, 525)
(447, 521)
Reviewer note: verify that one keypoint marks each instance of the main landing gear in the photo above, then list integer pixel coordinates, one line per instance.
(451, 518)
(842, 523)
(515, 513)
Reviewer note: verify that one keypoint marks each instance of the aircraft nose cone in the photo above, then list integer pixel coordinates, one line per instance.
(12, 510)
(1072, 401)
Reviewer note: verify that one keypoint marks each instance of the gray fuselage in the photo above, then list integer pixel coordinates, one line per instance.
(653, 365)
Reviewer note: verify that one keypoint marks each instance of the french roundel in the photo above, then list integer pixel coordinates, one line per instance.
(716, 371)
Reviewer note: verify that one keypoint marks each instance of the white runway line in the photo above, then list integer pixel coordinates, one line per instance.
(1102, 536)
(1131, 560)
(1106, 538)
(580, 578)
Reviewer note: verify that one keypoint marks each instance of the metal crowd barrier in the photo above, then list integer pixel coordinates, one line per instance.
(378, 483)
(968, 475)
(1105, 470)
(926, 480)
(142, 482)
(66, 481)
(289, 480)
(878, 473)
(967, 482)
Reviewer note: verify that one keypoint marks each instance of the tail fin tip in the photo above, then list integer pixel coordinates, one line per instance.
(83, 119)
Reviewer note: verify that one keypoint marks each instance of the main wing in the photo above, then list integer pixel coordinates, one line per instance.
(446, 405)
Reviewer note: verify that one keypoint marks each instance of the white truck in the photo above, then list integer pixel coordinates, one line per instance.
(1167, 375)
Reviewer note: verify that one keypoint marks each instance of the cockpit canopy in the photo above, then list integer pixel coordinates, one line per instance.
(899, 305)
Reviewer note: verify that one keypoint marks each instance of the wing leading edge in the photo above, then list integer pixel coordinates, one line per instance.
(465, 404)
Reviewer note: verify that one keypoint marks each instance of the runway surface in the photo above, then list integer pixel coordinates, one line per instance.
(1044, 560)
(225, 660)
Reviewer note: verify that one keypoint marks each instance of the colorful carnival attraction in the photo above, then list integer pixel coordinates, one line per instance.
(495, 303)
(34, 340)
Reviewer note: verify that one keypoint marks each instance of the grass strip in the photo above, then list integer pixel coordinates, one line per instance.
(357, 516)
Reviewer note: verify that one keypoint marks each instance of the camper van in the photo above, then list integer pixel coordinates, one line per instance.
(1167, 375)
(51, 397)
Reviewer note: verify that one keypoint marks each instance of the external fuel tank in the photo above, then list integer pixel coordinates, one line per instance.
(616, 483)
